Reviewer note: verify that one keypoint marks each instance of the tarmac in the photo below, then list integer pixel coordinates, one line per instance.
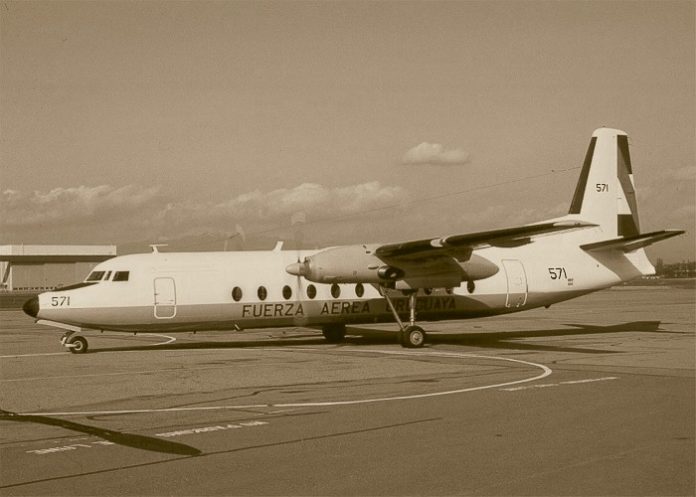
(594, 396)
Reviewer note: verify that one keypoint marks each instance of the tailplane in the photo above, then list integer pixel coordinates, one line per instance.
(631, 243)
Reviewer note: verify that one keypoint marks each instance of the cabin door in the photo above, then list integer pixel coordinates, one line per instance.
(165, 298)
(516, 283)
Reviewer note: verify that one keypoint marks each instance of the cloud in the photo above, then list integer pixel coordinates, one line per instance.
(95, 214)
(281, 206)
(435, 154)
(74, 205)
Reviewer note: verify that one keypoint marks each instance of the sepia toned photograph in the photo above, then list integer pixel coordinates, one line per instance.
(348, 248)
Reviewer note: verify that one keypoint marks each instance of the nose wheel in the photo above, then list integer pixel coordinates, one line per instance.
(74, 343)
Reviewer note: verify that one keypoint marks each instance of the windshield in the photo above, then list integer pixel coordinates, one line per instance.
(95, 276)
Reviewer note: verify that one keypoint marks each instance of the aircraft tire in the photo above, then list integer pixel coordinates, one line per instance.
(334, 333)
(413, 337)
(77, 345)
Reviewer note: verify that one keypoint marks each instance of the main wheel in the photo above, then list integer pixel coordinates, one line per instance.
(77, 345)
(334, 333)
(412, 337)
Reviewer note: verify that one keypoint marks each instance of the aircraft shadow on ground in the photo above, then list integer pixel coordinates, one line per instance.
(117, 437)
(509, 340)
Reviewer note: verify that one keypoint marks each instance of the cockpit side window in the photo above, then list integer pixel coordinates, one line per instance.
(121, 276)
(95, 276)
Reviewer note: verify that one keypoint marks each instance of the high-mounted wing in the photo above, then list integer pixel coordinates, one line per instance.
(430, 263)
(507, 237)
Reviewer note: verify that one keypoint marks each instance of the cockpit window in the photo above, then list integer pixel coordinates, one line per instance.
(108, 276)
(95, 276)
(121, 276)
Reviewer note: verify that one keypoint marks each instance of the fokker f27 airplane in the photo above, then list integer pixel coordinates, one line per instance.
(597, 245)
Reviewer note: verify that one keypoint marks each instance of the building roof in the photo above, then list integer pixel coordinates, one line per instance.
(56, 253)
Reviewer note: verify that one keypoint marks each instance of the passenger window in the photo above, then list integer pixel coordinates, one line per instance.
(237, 294)
(287, 292)
(335, 291)
(121, 276)
(262, 293)
(95, 276)
(311, 291)
(359, 290)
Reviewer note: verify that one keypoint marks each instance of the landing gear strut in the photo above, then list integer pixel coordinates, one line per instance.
(334, 333)
(75, 343)
(411, 336)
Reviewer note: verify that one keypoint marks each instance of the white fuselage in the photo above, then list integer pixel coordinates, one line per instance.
(196, 291)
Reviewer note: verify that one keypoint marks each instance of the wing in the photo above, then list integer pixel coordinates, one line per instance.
(461, 246)
(431, 263)
(450, 260)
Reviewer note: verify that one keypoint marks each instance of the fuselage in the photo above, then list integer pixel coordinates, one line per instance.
(242, 290)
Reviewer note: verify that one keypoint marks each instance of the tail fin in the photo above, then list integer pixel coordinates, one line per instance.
(605, 193)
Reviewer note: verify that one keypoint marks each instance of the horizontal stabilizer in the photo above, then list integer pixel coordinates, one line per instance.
(507, 237)
(630, 243)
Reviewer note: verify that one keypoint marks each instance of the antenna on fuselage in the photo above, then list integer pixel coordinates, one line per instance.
(155, 247)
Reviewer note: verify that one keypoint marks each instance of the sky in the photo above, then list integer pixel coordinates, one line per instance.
(334, 122)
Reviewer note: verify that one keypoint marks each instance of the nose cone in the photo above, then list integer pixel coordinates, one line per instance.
(31, 306)
(297, 269)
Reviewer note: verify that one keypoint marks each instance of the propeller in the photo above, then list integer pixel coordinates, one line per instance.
(298, 268)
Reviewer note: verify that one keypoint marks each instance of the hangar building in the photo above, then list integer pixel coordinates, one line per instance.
(45, 267)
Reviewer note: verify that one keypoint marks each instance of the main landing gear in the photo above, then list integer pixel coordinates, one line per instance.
(410, 336)
(75, 343)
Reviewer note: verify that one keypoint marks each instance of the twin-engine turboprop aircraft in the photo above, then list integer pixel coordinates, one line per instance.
(597, 245)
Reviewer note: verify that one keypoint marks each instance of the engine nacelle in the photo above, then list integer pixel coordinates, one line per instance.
(478, 268)
(348, 264)
(358, 264)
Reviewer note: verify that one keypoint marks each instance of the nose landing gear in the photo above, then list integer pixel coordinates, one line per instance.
(75, 343)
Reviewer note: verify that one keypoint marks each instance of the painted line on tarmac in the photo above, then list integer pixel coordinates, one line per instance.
(546, 371)
(169, 340)
(560, 383)
(98, 375)
(30, 355)
(170, 434)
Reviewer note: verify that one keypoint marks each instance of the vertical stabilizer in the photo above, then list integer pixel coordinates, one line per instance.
(605, 193)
